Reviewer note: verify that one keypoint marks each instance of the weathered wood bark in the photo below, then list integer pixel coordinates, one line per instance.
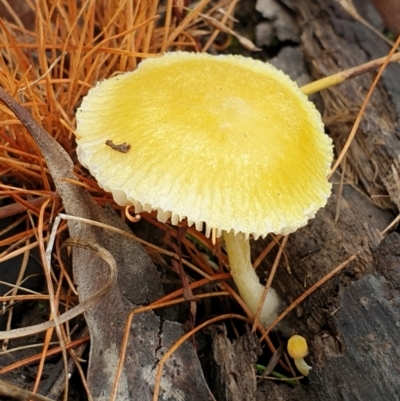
(368, 330)
(332, 41)
(235, 378)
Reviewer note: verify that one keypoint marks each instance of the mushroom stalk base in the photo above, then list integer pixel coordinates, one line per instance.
(302, 366)
(246, 279)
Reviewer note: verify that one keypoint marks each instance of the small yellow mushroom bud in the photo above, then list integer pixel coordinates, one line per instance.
(297, 348)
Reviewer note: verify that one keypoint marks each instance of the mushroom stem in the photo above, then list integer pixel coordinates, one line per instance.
(246, 279)
(302, 366)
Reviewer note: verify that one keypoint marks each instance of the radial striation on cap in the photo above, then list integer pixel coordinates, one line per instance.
(227, 141)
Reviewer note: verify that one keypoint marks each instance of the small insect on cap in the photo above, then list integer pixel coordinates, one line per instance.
(227, 141)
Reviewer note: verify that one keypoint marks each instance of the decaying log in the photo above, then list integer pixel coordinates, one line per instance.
(235, 378)
(369, 331)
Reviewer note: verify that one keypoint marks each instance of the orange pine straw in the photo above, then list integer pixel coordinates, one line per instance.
(27, 205)
(192, 286)
(20, 236)
(14, 254)
(8, 189)
(133, 219)
(37, 357)
(188, 19)
(224, 20)
(36, 297)
(45, 350)
(89, 185)
(266, 251)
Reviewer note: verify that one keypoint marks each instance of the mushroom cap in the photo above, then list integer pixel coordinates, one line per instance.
(297, 347)
(227, 141)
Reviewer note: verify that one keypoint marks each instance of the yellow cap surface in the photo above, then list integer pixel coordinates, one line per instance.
(223, 140)
(297, 347)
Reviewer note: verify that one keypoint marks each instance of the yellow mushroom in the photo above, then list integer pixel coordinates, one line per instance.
(297, 349)
(227, 142)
